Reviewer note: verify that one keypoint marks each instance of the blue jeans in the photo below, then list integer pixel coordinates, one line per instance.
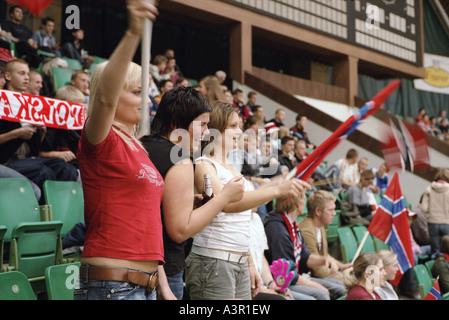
(436, 231)
(176, 284)
(111, 290)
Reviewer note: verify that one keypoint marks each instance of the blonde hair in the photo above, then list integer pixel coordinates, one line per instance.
(388, 257)
(288, 205)
(318, 199)
(70, 93)
(132, 78)
(214, 90)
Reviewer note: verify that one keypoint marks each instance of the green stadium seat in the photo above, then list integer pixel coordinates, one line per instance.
(15, 286)
(429, 265)
(61, 77)
(348, 243)
(34, 247)
(18, 204)
(60, 280)
(359, 232)
(67, 202)
(73, 63)
(425, 281)
(98, 60)
(380, 245)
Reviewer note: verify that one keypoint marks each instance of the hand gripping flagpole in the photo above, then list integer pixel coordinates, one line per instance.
(144, 125)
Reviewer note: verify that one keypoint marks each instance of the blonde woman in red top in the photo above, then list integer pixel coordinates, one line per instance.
(122, 189)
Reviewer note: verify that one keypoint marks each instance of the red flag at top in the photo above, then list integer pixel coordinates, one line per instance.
(36, 7)
(390, 225)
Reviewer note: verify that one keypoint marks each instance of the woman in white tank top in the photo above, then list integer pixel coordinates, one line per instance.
(220, 265)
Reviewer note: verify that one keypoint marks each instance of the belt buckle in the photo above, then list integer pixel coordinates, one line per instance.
(244, 255)
(149, 288)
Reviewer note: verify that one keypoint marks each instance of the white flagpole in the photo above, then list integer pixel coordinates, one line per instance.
(144, 125)
(360, 246)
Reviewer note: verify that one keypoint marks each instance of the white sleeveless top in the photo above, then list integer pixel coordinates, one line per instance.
(227, 231)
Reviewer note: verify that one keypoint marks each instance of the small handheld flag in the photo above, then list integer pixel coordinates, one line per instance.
(434, 293)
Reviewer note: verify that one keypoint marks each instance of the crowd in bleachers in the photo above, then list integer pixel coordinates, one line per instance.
(343, 194)
(435, 125)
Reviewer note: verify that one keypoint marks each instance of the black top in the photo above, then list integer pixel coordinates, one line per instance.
(8, 149)
(164, 154)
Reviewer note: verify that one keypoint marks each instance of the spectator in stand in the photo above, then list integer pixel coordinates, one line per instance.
(21, 142)
(444, 128)
(239, 103)
(368, 273)
(286, 241)
(22, 36)
(44, 37)
(259, 113)
(362, 165)
(75, 49)
(224, 243)
(380, 183)
(286, 155)
(171, 69)
(81, 80)
(252, 100)
(157, 69)
(182, 108)
(210, 87)
(279, 117)
(35, 83)
(440, 267)
(435, 129)
(181, 81)
(221, 76)
(356, 206)
(424, 123)
(166, 85)
(390, 262)
(321, 212)
(300, 130)
(123, 247)
(421, 113)
(441, 115)
(435, 203)
(343, 173)
(228, 96)
(60, 143)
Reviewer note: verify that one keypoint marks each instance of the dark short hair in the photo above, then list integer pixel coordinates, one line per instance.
(286, 139)
(177, 109)
(46, 19)
(12, 8)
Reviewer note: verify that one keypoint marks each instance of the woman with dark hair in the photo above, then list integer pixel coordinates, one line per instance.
(176, 131)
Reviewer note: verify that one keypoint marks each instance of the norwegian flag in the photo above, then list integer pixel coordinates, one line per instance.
(405, 147)
(305, 168)
(390, 224)
(434, 293)
(36, 7)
